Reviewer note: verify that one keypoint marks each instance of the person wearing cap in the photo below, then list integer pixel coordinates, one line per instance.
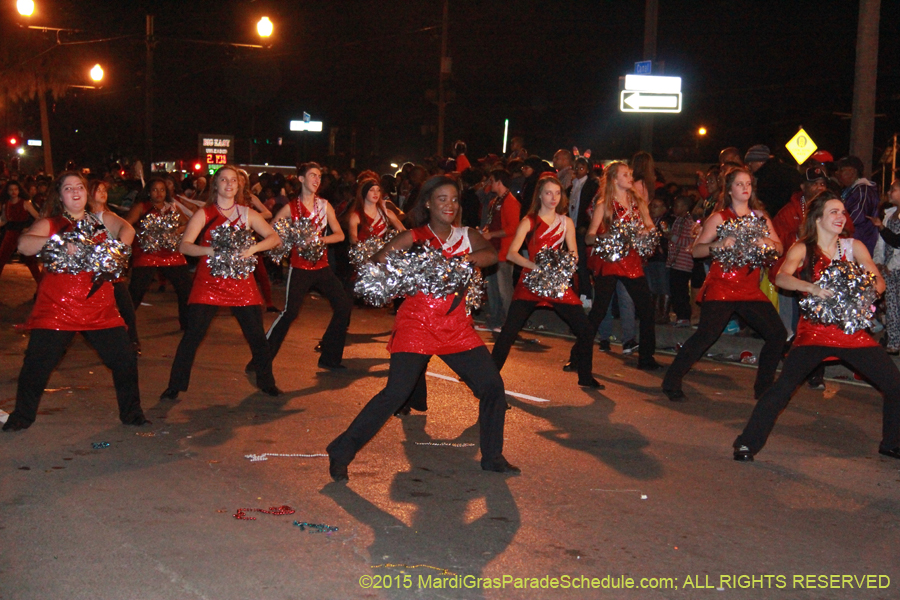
(860, 198)
(775, 182)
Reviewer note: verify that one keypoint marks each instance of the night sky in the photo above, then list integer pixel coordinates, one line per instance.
(753, 72)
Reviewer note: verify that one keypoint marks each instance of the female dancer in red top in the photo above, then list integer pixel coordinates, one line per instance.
(66, 305)
(818, 247)
(171, 262)
(549, 227)
(16, 213)
(618, 201)
(305, 275)
(427, 325)
(369, 216)
(208, 293)
(726, 293)
(97, 197)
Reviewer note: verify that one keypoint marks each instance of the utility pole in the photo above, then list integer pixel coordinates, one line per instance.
(445, 73)
(862, 123)
(651, 12)
(148, 98)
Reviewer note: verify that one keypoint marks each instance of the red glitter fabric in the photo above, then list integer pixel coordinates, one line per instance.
(220, 291)
(632, 266)
(813, 334)
(425, 324)
(162, 258)
(740, 285)
(544, 236)
(62, 300)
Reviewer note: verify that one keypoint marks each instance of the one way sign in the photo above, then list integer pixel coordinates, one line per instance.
(659, 102)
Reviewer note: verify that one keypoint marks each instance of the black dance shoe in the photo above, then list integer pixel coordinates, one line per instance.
(743, 454)
(271, 390)
(169, 394)
(318, 347)
(892, 452)
(674, 395)
(649, 365)
(337, 471)
(330, 367)
(137, 420)
(13, 423)
(592, 384)
(501, 465)
(570, 367)
(250, 368)
(402, 411)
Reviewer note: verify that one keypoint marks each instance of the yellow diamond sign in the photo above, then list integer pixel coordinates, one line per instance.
(801, 146)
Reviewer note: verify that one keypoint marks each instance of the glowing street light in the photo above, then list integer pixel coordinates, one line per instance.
(97, 73)
(25, 7)
(701, 131)
(265, 27)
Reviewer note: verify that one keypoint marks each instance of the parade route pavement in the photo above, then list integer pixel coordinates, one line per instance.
(618, 486)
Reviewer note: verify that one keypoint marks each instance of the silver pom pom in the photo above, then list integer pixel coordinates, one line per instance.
(407, 272)
(301, 234)
(106, 258)
(363, 251)
(624, 236)
(746, 231)
(851, 308)
(553, 274)
(109, 260)
(228, 243)
(159, 232)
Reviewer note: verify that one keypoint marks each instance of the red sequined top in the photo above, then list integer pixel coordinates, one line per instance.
(425, 324)
(813, 334)
(740, 285)
(371, 227)
(319, 215)
(631, 266)
(62, 301)
(544, 236)
(221, 291)
(161, 258)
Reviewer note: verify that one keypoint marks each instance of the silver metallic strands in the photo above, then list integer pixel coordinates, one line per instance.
(229, 243)
(747, 250)
(854, 294)
(159, 232)
(554, 271)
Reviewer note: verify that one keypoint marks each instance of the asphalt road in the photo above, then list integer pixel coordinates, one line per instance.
(615, 484)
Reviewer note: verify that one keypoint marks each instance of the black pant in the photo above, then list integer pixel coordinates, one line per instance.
(126, 309)
(872, 362)
(46, 347)
(299, 283)
(680, 291)
(604, 288)
(573, 315)
(180, 276)
(760, 315)
(199, 318)
(476, 370)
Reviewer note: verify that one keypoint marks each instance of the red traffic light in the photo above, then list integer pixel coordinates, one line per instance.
(198, 166)
(13, 141)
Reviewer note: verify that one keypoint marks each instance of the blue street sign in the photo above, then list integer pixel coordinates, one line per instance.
(306, 117)
(643, 67)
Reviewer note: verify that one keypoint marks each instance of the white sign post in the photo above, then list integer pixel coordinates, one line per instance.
(651, 93)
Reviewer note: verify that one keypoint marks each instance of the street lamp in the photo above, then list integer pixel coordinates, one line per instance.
(265, 27)
(701, 131)
(25, 7)
(97, 73)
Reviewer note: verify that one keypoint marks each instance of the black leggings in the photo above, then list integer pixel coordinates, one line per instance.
(476, 370)
(299, 283)
(872, 362)
(573, 315)
(46, 348)
(714, 316)
(126, 309)
(180, 276)
(199, 318)
(637, 288)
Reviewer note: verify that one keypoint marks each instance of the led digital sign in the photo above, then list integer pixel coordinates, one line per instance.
(216, 150)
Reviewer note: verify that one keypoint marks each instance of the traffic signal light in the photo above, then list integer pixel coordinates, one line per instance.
(198, 166)
(13, 140)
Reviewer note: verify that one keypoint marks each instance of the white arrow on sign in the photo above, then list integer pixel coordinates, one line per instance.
(650, 102)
